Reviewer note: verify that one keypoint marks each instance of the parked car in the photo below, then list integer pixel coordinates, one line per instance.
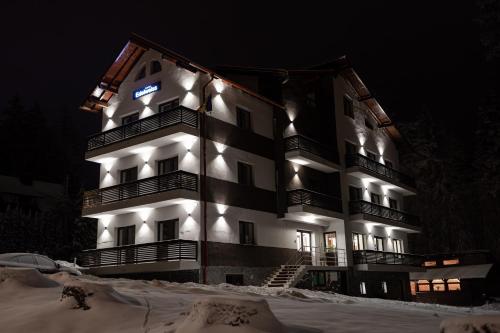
(37, 261)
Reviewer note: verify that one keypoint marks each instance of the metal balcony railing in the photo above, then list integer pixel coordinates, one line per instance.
(170, 250)
(365, 207)
(171, 181)
(177, 115)
(300, 142)
(386, 258)
(378, 168)
(315, 199)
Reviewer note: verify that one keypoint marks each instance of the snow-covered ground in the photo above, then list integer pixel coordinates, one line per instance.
(32, 302)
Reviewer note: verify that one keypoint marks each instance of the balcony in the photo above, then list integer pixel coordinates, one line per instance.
(362, 167)
(166, 255)
(305, 151)
(361, 257)
(312, 207)
(368, 212)
(154, 131)
(171, 188)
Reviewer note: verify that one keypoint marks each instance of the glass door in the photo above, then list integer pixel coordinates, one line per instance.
(303, 241)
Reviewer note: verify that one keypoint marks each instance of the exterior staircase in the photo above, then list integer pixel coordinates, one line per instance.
(286, 276)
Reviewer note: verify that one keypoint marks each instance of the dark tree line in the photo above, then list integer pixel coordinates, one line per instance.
(458, 174)
(37, 147)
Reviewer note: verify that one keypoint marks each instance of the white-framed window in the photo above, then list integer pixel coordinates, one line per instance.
(362, 288)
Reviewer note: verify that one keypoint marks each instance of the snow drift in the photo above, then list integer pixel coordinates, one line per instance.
(25, 277)
(221, 314)
(471, 324)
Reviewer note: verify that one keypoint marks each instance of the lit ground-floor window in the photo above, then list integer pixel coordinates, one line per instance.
(453, 284)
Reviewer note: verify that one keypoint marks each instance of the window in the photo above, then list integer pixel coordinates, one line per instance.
(348, 107)
(397, 245)
(359, 241)
(167, 230)
(384, 287)
(371, 156)
(451, 262)
(311, 99)
(423, 286)
(247, 236)
(388, 163)
(128, 175)
(453, 284)
(378, 242)
(167, 106)
(362, 288)
(375, 198)
(355, 193)
(168, 165)
(393, 203)
(303, 241)
(155, 67)
(350, 148)
(130, 118)
(330, 241)
(141, 74)
(368, 124)
(430, 263)
(243, 119)
(125, 235)
(438, 285)
(245, 174)
(46, 262)
(234, 279)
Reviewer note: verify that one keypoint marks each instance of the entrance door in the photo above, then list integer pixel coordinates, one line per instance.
(304, 246)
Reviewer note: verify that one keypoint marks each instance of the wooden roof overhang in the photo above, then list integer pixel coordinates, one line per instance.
(128, 57)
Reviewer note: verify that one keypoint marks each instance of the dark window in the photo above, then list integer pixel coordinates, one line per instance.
(155, 67)
(245, 174)
(393, 203)
(168, 165)
(348, 107)
(375, 198)
(130, 118)
(379, 243)
(243, 119)
(371, 156)
(355, 193)
(388, 164)
(128, 175)
(141, 74)
(234, 279)
(168, 229)
(125, 235)
(247, 233)
(167, 106)
(311, 99)
(350, 148)
(368, 124)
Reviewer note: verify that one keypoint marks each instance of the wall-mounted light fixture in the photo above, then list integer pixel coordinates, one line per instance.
(145, 162)
(105, 228)
(107, 171)
(144, 222)
(189, 214)
(188, 150)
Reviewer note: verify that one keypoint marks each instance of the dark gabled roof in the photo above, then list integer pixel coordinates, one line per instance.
(131, 53)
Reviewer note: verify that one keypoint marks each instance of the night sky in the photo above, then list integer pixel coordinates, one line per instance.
(409, 54)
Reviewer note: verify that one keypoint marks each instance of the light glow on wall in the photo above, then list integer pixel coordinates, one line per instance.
(188, 80)
(299, 161)
(186, 139)
(144, 212)
(369, 227)
(388, 231)
(145, 153)
(218, 85)
(107, 162)
(221, 209)
(220, 147)
(190, 100)
(189, 206)
(105, 219)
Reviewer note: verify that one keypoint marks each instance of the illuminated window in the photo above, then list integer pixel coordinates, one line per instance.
(155, 67)
(348, 107)
(362, 288)
(438, 285)
(413, 287)
(359, 241)
(397, 245)
(384, 287)
(430, 263)
(453, 284)
(423, 286)
(378, 242)
(330, 241)
(141, 74)
(451, 262)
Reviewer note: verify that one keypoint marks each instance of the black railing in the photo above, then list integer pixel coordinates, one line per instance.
(378, 168)
(365, 207)
(176, 249)
(315, 199)
(177, 115)
(386, 258)
(300, 142)
(171, 181)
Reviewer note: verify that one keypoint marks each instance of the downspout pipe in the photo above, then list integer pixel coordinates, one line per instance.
(203, 147)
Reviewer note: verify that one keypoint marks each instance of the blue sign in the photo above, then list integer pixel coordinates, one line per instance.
(149, 89)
